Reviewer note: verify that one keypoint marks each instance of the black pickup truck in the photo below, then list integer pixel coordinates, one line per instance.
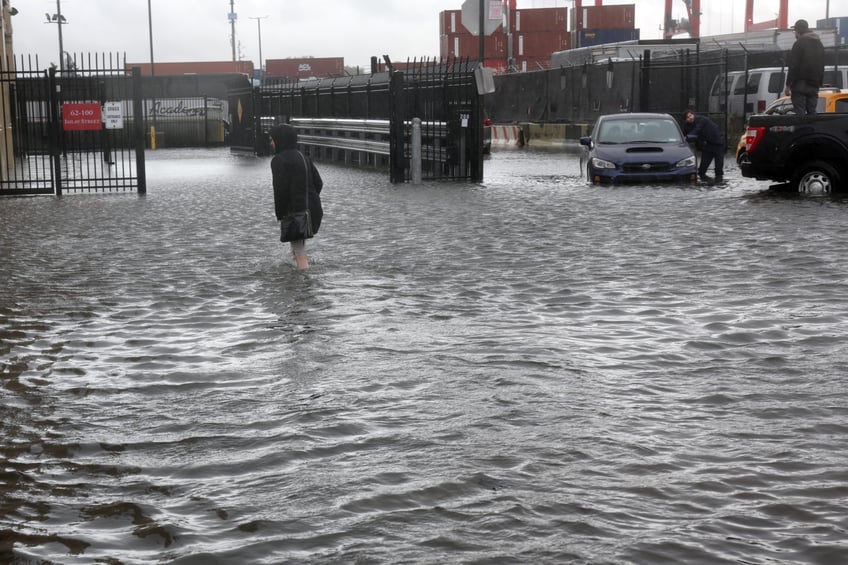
(806, 153)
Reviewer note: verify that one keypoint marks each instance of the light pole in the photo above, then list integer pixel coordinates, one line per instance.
(150, 33)
(259, 30)
(233, 17)
(59, 20)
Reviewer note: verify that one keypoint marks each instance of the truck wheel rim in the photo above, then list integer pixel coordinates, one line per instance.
(815, 183)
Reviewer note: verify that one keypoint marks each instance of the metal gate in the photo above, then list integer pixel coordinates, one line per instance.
(443, 95)
(73, 130)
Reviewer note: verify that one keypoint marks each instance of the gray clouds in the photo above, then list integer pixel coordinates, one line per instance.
(199, 30)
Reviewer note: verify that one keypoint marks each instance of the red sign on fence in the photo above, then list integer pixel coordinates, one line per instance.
(77, 117)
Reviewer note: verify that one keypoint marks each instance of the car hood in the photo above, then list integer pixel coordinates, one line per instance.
(672, 152)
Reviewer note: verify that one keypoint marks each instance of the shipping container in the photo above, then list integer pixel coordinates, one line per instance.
(839, 24)
(592, 37)
(499, 66)
(450, 21)
(604, 17)
(540, 19)
(539, 44)
(467, 45)
(529, 64)
(305, 67)
(195, 68)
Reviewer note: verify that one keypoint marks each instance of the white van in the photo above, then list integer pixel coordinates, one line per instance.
(764, 85)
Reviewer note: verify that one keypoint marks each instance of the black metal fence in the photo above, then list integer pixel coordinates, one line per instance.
(72, 130)
(672, 83)
(442, 94)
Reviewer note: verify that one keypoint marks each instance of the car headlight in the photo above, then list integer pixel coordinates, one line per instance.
(687, 162)
(601, 164)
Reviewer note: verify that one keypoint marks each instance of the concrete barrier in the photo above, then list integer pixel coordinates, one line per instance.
(542, 135)
(505, 135)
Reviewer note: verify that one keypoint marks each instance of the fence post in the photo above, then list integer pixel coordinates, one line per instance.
(138, 126)
(397, 115)
(644, 94)
(416, 151)
(55, 130)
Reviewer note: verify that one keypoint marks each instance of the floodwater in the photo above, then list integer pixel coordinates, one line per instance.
(530, 370)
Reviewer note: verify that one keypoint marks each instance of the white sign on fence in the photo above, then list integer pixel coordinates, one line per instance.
(113, 118)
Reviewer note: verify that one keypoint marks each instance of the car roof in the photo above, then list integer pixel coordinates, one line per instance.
(635, 116)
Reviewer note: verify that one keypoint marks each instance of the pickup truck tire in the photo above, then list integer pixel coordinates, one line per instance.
(817, 177)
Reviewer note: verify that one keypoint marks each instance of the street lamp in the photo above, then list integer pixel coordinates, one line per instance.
(59, 20)
(232, 16)
(150, 33)
(259, 29)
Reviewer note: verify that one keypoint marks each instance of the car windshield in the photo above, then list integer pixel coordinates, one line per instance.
(639, 130)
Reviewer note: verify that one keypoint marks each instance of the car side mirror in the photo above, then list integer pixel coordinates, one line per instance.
(587, 141)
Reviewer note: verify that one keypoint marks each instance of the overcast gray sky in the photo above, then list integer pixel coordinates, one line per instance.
(199, 30)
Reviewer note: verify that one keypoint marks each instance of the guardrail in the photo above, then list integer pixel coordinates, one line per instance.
(366, 142)
(354, 142)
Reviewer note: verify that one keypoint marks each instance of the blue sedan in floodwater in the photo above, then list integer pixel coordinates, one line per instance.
(643, 147)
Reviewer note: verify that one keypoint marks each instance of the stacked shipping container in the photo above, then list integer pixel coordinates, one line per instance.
(299, 68)
(535, 34)
(839, 24)
(597, 25)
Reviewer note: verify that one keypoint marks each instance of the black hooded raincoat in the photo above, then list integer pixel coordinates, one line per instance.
(290, 177)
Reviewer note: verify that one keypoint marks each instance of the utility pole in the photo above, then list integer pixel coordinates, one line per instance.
(150, 33)
(482, 24)
(233, 16)
(259, 30)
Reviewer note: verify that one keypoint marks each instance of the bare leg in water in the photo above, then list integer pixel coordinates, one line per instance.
(298, 249)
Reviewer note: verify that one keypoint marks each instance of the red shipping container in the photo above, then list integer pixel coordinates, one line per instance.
(466, 45)
(497, 65)
(604, 17)
(450, 21)
(305, 67)
(540, 19)
(540, 44)
(527, 64)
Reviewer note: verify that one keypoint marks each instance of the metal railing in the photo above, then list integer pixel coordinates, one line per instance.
(367, 142)
(366, 136)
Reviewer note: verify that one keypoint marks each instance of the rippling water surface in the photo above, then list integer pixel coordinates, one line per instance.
(531, 370)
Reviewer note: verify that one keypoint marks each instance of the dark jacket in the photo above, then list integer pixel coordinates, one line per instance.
(806, 61)
(705, 132)
(290, 171)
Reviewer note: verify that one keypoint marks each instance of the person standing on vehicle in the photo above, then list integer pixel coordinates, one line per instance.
(709, 139)
(806, 69)
(294, 175)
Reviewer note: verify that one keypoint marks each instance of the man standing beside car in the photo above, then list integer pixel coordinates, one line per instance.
(708, 138)
(806, 69)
